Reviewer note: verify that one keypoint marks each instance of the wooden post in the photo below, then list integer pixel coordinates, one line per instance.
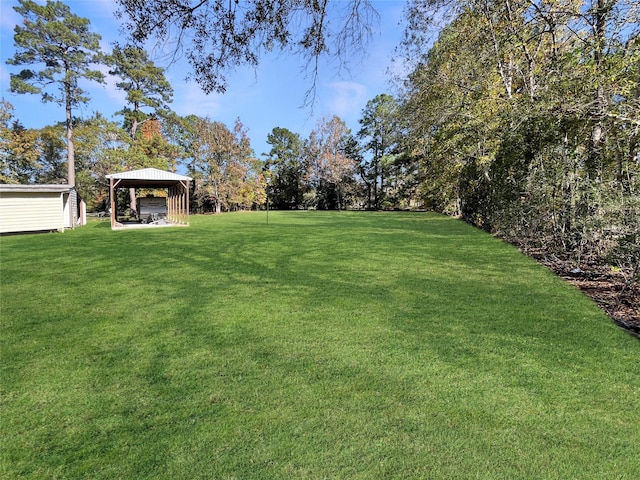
(186, 199)
(112, 203)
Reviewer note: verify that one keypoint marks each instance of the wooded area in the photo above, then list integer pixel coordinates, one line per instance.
(521, 117)
(524, 119)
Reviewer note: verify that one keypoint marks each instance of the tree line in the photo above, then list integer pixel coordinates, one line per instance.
(326, 170)
(519, 116)
(524, 119)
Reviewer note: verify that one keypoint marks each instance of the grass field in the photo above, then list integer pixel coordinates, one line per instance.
(322, 345)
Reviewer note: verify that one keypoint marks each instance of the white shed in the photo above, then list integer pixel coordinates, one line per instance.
(36, 208)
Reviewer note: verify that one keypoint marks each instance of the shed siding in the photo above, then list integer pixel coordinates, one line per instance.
(24, 212)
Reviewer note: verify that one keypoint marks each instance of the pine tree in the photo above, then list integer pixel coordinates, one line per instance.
(53, 37)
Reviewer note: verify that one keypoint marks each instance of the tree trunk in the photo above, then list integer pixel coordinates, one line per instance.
(635, 136)
(596, 141)
(133, 206)
(599, 110)
(71, 166)
(565, 225)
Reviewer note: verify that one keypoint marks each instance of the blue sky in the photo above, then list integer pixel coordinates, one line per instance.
(269, 97)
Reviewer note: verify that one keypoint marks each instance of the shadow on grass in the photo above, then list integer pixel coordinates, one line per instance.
(324, 344)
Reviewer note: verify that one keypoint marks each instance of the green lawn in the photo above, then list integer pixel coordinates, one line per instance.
(322, 345)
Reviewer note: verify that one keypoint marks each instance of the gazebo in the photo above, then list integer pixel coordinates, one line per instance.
(177, 197)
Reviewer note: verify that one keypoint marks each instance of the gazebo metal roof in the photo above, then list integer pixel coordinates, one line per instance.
(148, 177)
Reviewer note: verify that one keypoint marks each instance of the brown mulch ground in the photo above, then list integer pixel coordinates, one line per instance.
(606, 286)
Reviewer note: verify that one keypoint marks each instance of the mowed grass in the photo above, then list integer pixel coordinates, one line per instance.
(322, 345)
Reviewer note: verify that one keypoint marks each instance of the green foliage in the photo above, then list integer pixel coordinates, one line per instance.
(380, 136)
(144, 83)
(286, 163)
(101, 148)
(53, 164)
(33, 155)
(60, 40)
(18, 151)
(226, 174)
(38, 155)
(524, 116)
(612, 230)
(318, 172)
(216, 36)
(237, 349)
(329, 168)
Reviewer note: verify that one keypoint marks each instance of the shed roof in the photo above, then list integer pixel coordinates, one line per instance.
(21, 188)
(147, 177)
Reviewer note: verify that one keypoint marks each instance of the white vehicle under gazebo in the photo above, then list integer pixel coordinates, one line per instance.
(174, 213)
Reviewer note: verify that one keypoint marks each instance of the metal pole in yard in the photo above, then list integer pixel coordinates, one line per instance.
(267, 192)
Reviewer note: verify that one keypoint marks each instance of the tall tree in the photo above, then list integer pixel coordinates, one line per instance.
(6, 115)
(34, 155)
(52, 154)
(328, 166)
(219, 35)
(146, 88)
(379, 133)
(60, 41)
(286, 162)
(102, 147)
(18, 148)
(223, 167)
(525, 116)
(153, 148)
(144, 83)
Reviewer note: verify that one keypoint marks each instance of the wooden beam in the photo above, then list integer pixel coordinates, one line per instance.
(111, 203)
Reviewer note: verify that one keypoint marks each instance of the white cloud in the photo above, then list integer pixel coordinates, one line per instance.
(189, 99)
(345, 98)
(4, 78)
(118, 96)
